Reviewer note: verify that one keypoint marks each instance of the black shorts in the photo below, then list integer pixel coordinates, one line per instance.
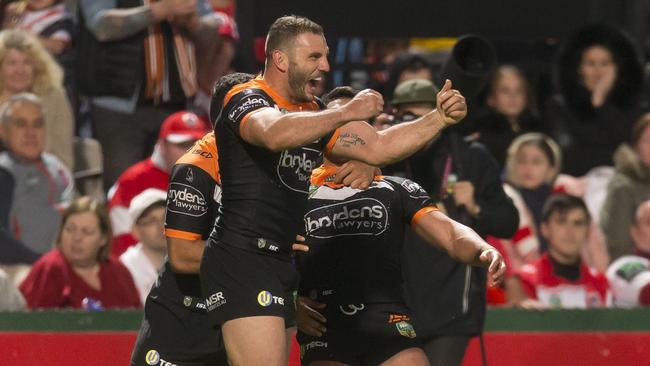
(177, 331)
(245, 283)
(360, 334)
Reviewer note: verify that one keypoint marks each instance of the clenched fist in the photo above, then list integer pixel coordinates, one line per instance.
(450, 104)
(365, 105)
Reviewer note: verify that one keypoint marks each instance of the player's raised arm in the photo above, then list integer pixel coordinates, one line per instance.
(461, 243)
(275, 131)
(359, 141)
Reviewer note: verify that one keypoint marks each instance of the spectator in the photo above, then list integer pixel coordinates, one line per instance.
(147, 210)
(510, 112)
(79, 273)
(628, 188)
(407, 66)
(629, 276)
(447, 297)
(218, 63)
(559, 278)
(599, 79)
(12, 251)
(10, 298)
(25, 66)
(139, 66)
(533, 163)
(43, 185)
(50, 22)
(177, 134)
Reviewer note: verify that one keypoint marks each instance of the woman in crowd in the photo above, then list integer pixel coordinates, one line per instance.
(599, 77)
(79, 273)
(628, 188)
(532, 165)
(25, 66)
(510, 112)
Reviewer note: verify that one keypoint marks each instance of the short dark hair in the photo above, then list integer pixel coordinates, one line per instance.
(287, 28)
(639, 128)
(563, 203)
(221, 88)
(338, 93)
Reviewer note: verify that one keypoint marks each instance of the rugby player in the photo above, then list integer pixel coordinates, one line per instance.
(271, 134)
(175, 326)
(352, 273)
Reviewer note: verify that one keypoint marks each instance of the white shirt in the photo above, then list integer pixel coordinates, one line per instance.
(144, 272)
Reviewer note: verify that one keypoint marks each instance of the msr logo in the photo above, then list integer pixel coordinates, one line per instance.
(186, 200)
(215, 300)
(295, 166)
(362, 216)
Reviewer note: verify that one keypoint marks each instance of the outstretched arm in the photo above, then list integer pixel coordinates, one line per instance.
(360, 141)
(275, 131)
(461, 243)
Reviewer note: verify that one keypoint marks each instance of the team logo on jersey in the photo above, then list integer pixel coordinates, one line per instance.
(186, 200)
(187, 301)
(295, 166)
(362, 216)
(247, 104)
(189, 177)
(405, 329)
(265, 299)
(152, 357)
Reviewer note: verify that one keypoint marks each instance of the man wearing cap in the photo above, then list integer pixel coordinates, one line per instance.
(447, 298)
(178, 133)
(147, 210)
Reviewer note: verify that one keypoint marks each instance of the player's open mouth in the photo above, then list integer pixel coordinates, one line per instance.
(314, 82)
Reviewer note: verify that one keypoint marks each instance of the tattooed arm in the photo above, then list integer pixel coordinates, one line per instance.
(360, 141)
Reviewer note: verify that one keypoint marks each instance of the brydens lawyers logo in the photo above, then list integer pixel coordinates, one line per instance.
(247, 104)
(295, 166)
(265, 299)
(186, 200)
(363, 216)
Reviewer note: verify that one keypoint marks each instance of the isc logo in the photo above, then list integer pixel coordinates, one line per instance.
(265, 299)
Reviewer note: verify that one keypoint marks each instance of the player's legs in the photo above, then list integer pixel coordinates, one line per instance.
(408, 357)
(446, 350)
(256, 340)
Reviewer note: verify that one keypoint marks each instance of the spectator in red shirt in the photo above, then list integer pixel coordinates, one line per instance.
(560, 278)
(79, 273)
(178, 133)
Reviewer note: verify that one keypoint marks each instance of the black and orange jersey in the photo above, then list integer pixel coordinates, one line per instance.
(356, 237)
(264, 192)
(193, 196)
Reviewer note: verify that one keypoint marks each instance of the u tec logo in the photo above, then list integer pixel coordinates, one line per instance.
(264, 298)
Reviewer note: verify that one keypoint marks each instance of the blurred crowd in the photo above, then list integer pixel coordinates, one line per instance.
(101, 97)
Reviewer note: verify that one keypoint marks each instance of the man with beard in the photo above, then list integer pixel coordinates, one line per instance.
(270, 135)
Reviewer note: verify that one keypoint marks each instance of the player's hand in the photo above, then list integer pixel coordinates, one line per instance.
(300, 245)
(356, 174)
(496, 266)
(463, 193)
(450, 104)
(366, 104)
(308, 319)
